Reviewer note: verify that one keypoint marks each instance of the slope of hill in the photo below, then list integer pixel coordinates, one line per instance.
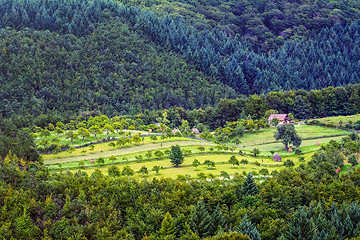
(119, 80)
(265, 24)
(112, 70)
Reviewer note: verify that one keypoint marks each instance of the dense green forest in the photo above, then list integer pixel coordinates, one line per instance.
(220, 66)
(118, 72)
(301, 104)
(265, 24)
(309, 201)
(89, 41)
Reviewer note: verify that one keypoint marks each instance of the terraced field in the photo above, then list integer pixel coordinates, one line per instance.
(138, 155)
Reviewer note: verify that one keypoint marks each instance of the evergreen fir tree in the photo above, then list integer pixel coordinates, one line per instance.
(167, 227)
(217, 219)
(200, 220)
(246, 227)
(249, 186)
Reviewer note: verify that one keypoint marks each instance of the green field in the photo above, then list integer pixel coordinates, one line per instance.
(336, 120)
(263, 140)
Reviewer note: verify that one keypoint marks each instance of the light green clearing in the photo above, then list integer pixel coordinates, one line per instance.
(130, 152)
(264, 141)
(221, 161)
(101, 148)
(336, 120)
(267, 135)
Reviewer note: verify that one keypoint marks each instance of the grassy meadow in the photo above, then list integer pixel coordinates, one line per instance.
(86, 159)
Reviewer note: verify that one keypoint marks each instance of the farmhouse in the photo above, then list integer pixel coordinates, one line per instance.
(283, 118)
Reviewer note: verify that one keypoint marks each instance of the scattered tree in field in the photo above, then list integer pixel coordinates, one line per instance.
(209, 163)
(58, 131)
(202, 149)
(82, 132)
(289, 163)
(121, 142)
(255, 152)
(148, 154)
(144, 171)
(159, 154)
(113, 171)
(288, 135)
(219, 148)
(211, 149)
(234, 161)
(153, 138)
(139, 157)
(108, 129)
(195, 164)
(71, 135)
(244, 162)
(83, 151)
(232, 148)
(118, 126)
(136, 139)
(94, 130)
(111, 145)
(127, 171)
(176, 156)
(71, 150)
(156, 169)
(112, 158)
(301, 159)
(353, 159)
(100, 161)
(187, 152)
(91, 147)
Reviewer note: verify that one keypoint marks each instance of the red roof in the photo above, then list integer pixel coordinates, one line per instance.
(281, 117)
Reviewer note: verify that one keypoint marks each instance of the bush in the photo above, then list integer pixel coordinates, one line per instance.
(289, 163)
(298, 152)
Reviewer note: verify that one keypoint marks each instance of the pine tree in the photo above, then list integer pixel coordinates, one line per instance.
(249, 187)
(200, 220)
(246, 227)
(167, 227)
(217, 219)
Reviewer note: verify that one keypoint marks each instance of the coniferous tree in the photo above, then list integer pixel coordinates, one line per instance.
(200, 220)
(218, 220)
(246, 227)
(167, 227)
(249, 187)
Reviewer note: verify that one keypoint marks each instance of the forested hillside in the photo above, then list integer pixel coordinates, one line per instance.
(265, 24)
(112, 70)
(125, 58)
